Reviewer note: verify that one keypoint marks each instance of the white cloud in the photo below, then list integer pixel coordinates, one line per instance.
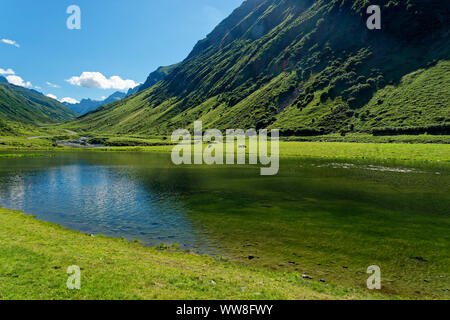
(18, 81)
(11, 42)
(7, 71)
(63, 100)
(52, 96)
(52, 85)
(96, 80)
(69, 100)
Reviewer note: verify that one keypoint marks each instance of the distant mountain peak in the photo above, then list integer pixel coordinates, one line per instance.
(87, 105)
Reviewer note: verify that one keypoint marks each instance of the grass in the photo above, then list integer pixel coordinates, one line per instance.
(369, 138)
(21, 155)
(423, 94)
(350, 150)
(30, 107)
(34, 257)
(423, 152)
(351, 146)
(27, 137)
(428, 152)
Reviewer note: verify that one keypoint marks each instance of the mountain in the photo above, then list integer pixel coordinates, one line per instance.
(3, 79)
(116, 96)
(26, 106)
(156, 76)
(87, 105)
(302, 66)
(133, 90)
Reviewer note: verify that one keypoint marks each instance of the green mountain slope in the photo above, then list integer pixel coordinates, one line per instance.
(299, 65)
(30, 107)
(159, 74)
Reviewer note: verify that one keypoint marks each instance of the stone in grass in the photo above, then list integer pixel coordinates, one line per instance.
(322, 280)
(213, 282)
(306, 277)
(421, 259)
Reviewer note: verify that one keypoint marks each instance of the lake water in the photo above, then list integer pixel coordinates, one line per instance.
(330, 219)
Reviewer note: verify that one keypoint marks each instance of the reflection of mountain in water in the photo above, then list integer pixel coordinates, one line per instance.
(91, 196)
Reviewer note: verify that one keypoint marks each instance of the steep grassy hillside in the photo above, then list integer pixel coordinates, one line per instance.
(159, 74)
(301, 66)
(30, 107)
(10, 128)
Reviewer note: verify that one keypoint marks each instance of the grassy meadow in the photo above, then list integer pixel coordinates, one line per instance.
(35, 255)
(423, 147)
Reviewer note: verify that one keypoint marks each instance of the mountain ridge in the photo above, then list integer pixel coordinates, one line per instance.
(19, 104)
(87, 105)
(296, 65)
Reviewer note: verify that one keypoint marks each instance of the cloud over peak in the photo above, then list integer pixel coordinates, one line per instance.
(18, 81)
(63, 100)
(96, 80)
(6, 71)
(69, 100)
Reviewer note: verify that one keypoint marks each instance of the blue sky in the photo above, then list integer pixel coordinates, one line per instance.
(128, 39)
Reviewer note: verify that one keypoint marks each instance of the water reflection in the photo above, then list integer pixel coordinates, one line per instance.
(116, 200)
(314, 217)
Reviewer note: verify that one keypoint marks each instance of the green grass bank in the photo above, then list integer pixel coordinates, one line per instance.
(34, 257)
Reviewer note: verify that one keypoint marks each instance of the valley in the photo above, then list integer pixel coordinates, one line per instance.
(364, 164)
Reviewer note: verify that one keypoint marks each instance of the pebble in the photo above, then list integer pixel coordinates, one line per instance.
(420, 259)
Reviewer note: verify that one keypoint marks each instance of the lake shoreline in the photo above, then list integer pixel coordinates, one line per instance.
(434, 152)
(309, 195)
(164, 273)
